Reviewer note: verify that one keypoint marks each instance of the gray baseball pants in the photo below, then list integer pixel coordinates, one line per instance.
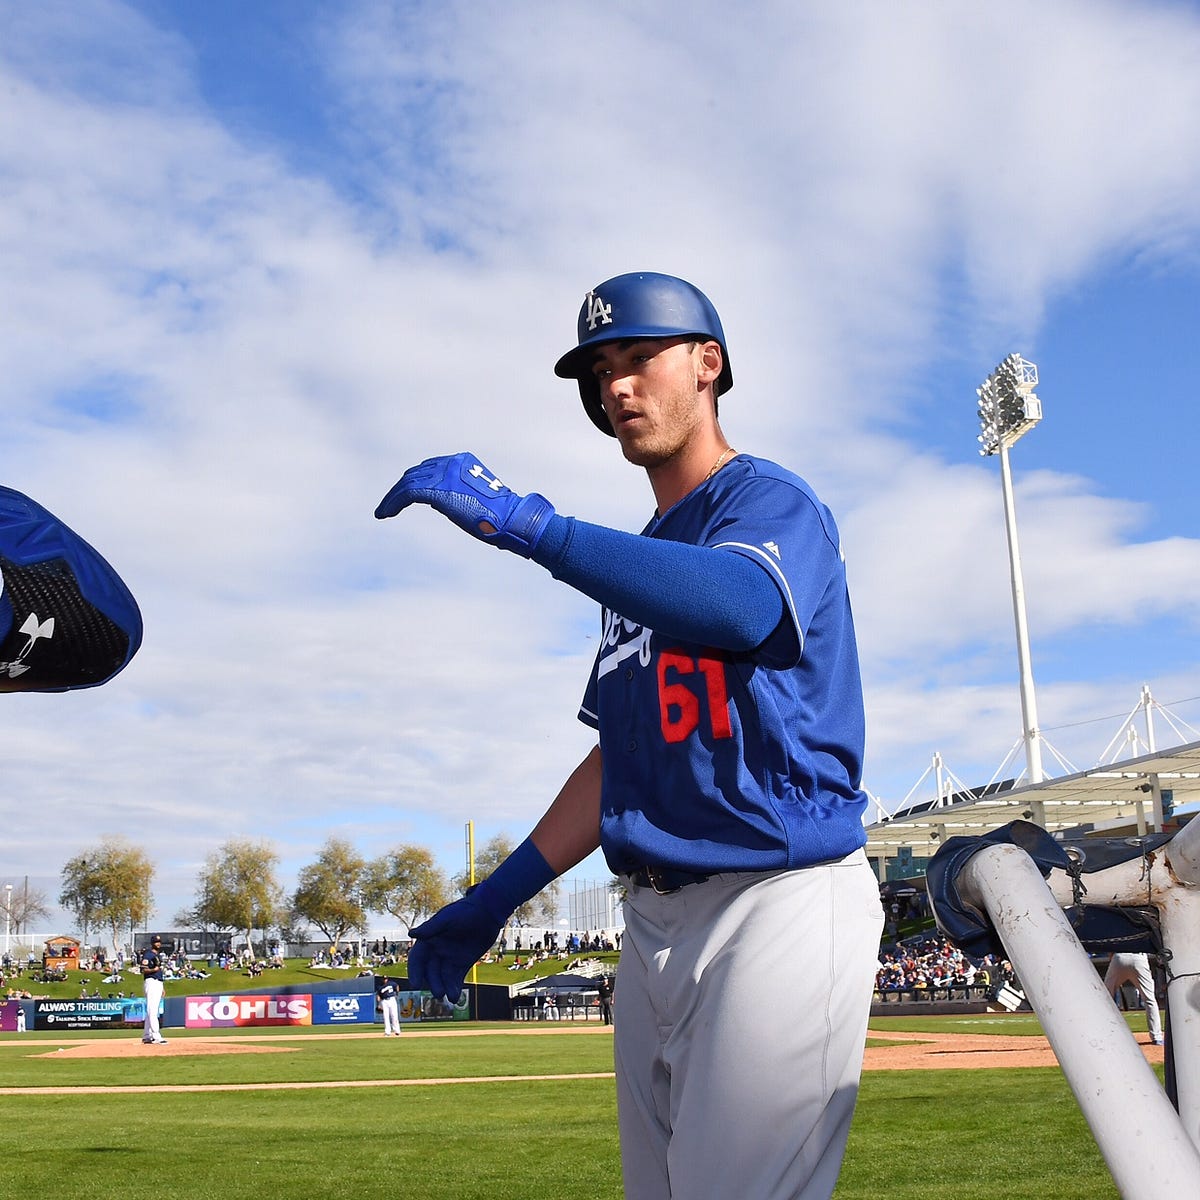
(741, 1013)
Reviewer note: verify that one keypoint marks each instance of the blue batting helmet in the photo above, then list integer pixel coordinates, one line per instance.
(640, 305)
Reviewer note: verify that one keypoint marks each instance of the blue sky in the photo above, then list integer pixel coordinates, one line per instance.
(260, 258)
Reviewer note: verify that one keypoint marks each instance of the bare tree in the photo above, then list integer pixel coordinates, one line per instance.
(23, 905)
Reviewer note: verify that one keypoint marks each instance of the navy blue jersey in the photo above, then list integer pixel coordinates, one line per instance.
(721, 761)
(151, 964)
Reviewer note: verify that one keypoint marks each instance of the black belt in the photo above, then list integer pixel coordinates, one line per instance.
(668, 880)
(664, 880)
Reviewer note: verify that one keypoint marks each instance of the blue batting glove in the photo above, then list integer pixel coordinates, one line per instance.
(449, 944)
(460, 487)
(456, 937)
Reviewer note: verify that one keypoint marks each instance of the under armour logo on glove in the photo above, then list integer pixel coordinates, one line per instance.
(46, 568)
(32, 629)
(478, 472)
(460, 487)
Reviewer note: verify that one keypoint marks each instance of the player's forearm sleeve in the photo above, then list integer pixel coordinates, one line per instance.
(713, 597)
(520, 877)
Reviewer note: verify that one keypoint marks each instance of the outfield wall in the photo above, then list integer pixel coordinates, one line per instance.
(346, 1001)
(324, 1002)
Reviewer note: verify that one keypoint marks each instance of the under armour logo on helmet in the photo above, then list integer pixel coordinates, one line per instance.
(597, 311)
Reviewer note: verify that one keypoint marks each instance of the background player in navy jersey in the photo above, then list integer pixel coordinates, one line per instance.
(389, 1004)
(724, 788)
(151, 963)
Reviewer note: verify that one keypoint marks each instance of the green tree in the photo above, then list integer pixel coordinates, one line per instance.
(237, 888)
(541, 910)
(406, 883)
(329, 892)
(108, 887)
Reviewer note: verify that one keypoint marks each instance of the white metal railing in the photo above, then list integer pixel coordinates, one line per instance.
(1151, 1149)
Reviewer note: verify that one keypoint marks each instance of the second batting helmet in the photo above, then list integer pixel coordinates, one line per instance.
(639, 305)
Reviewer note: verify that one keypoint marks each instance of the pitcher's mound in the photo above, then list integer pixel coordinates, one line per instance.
(135, 1048)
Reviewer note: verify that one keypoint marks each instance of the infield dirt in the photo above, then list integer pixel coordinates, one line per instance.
(904, 1051)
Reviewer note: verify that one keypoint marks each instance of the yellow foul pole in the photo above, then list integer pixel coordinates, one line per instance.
(471, 883)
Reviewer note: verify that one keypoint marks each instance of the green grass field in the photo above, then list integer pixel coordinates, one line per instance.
(1009, 1133)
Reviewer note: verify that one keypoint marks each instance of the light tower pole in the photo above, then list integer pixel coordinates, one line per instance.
(1008, 409)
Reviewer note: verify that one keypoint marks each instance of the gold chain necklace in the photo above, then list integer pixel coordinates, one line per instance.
(717, 465)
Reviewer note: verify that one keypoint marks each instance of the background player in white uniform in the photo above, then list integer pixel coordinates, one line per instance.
(389, 1003)
(151, 964)
(1135, 969)
(725, 785)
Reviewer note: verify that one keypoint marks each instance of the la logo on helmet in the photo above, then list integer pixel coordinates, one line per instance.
(597, 311)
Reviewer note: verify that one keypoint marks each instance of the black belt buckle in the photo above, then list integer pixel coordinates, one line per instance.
(659, 881)
(665, 881)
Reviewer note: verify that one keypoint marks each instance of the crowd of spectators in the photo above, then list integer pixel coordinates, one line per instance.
(335, 960)
(930, 966)
(381, 953)
(384, 953)
(10, 970)
(553, 945)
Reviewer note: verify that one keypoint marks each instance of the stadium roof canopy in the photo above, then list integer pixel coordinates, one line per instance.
(1139, 794)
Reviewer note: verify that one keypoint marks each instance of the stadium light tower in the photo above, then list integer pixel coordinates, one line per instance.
(1008, 409)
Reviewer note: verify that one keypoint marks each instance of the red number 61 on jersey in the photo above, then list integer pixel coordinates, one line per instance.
(679, 705)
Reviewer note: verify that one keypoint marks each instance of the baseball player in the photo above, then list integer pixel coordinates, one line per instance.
(1135, 969)
(389, 1002)
(604, 992)
(724, 787)
(151, 964)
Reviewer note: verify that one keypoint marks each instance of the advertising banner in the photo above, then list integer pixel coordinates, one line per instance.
(224, 1012)
(357, 1008)
(89, 1014)
(424, 1006)
(12, 1018)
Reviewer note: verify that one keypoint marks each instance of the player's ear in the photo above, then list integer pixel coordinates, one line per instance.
(709, 361)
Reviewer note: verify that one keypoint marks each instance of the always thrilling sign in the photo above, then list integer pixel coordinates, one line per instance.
(88, 1014)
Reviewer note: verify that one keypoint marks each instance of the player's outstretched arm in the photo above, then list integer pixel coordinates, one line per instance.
(695, 592)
